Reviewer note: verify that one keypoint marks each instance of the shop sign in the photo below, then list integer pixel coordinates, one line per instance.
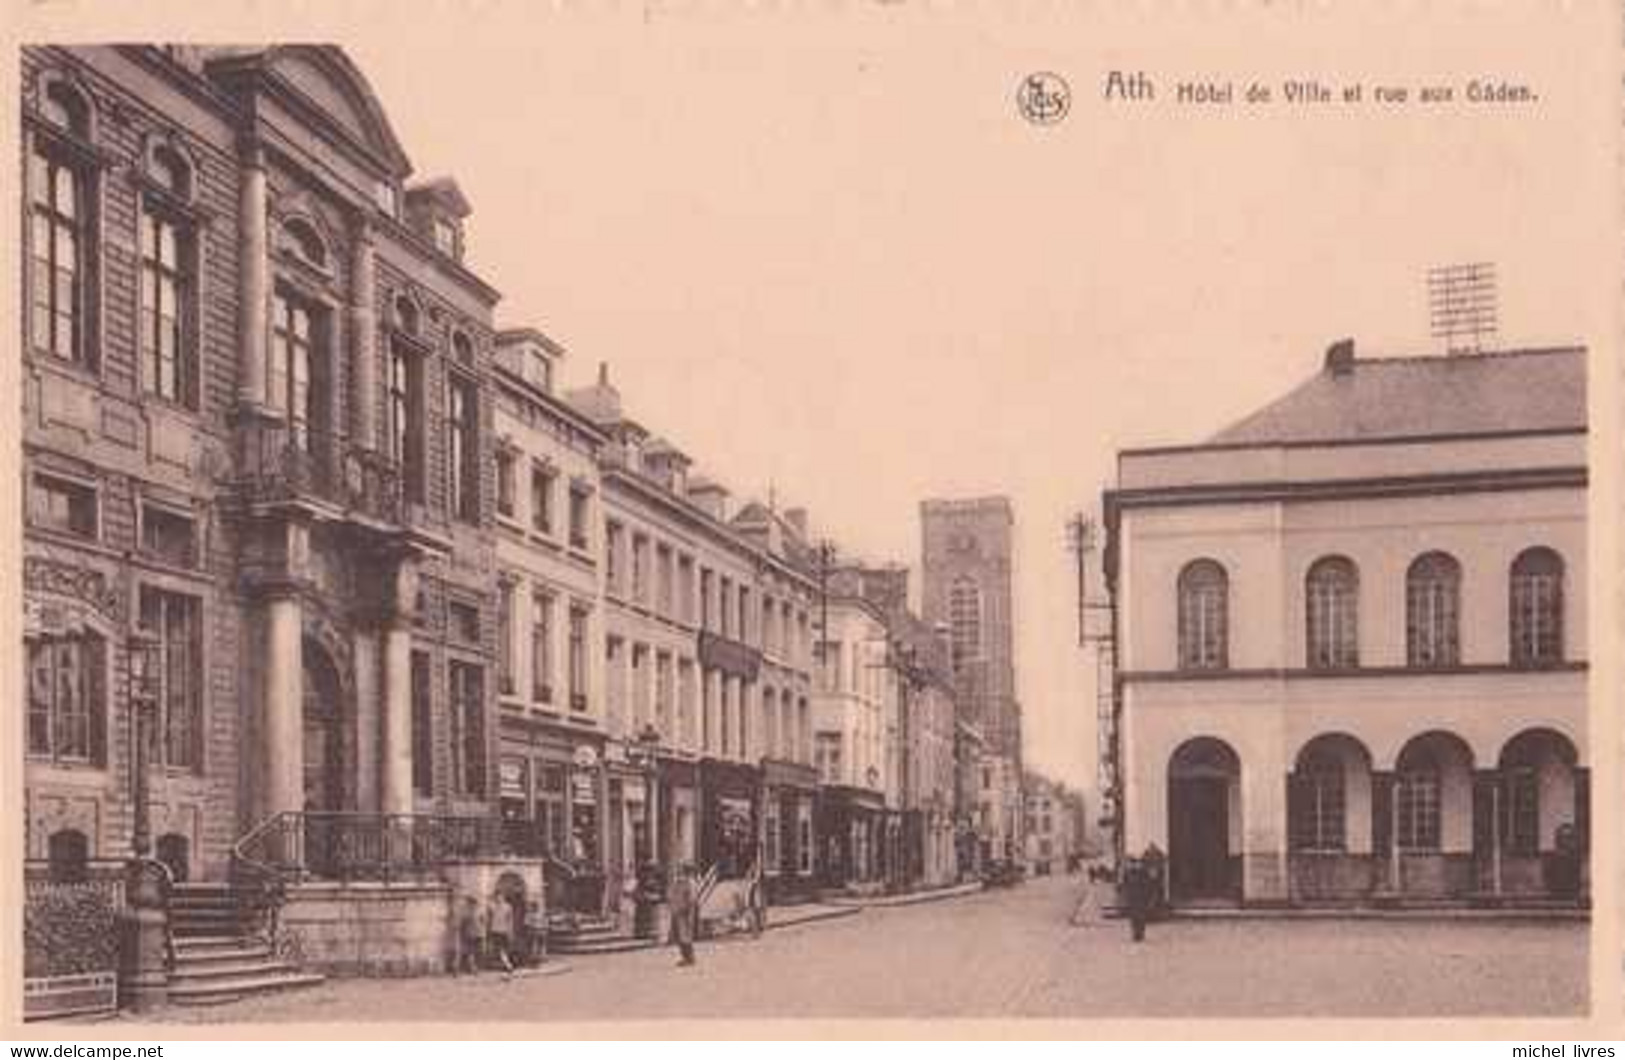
(582, 789)
(585, 757)
(511, 778)
(632, 789)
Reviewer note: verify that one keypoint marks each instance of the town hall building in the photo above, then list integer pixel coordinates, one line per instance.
(1352, 638)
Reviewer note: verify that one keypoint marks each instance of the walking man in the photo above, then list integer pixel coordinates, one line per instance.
(502, 931)
(685, 912)
(468, 937)
(1137, 895)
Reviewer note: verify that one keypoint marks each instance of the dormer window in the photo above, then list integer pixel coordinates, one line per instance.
(388, 201)
(445, 237)
(540, 371)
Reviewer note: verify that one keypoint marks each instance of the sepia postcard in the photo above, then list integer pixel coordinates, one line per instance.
(929, 519)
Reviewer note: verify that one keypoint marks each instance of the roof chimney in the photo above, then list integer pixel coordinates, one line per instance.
(1340, 357)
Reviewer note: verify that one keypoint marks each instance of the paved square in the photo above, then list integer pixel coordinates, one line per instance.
(1012, 953)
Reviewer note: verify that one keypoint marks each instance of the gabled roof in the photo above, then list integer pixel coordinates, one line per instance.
(330, 83)
(1516, 391)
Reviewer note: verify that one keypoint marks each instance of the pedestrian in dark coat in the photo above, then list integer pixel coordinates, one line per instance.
(1137, 896)
(683, 903)
(468, 937)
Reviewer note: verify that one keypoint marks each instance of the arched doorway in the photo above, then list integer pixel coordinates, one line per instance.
(1433, 817)
(1329, 815)
(1541, 814)
(324, 731)
(1204, 786)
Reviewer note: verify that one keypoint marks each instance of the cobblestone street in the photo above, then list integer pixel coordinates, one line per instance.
(1012, 953)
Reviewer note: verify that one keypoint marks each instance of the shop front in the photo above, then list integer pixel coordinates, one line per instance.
(789, 797)
(730, 817)
(549, 784)
(850, 823)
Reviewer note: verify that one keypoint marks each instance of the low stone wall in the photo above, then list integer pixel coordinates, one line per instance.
(1333, 878)
(375, 929)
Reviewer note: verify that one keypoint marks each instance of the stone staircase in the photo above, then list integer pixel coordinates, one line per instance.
(578, 934)
(216, 957)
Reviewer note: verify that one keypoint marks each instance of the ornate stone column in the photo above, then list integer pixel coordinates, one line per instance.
(395, 773)
(364, 339)
(253, 277)
(283, 697)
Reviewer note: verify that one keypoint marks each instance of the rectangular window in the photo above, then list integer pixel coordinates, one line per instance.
(744, 615)
(175, 620)
(541, 498)
(1522, 812)
(640, 685)
(297, 336)
(505, 483)
(505, 631)
(828, 755)
(405, 414)
(465, 450)
(640, 569)
(707, 607)
(685, 589)
(579, 500)
(725, 607)
(465, 622)
(63, 505)
(168, 359)
(67, 704)
(614, 569)
(58, 250)
(685, 701)
(663, 695)
(804, 837)
(1418, 810)
(168, 536)
(771, 852)
(541, 648)
(422, 726)
(468, 729)
(578, 658)
(445, 237)
(664, 587)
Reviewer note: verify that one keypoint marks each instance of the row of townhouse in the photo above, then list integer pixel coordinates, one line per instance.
(326, 579)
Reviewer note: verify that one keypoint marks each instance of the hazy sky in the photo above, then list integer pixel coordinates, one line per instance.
(823, 251)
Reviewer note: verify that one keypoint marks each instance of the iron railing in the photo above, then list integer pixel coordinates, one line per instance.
(343, 845)
(283, 462)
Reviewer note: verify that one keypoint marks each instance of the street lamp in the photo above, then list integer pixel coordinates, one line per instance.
(144, 660)
(145, 929)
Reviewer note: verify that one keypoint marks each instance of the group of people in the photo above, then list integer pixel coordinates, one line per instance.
(499, 933)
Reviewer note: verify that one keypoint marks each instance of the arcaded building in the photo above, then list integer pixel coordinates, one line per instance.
(1352, 638)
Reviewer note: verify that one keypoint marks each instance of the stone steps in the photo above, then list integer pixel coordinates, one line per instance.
(218, 959)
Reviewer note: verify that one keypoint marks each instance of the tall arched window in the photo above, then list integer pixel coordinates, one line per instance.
(1537, 608)
(964, 621)
(1204, 601)
(1332, 598)
(60, 232)
(1315, 801)
(1433, 611)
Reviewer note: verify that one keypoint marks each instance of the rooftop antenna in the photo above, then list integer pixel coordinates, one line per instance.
(1462, 305)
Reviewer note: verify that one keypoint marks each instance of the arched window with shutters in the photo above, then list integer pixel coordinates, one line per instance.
(1536, 612)
(1332, 599)
(1433, 611)
(1204, 620)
